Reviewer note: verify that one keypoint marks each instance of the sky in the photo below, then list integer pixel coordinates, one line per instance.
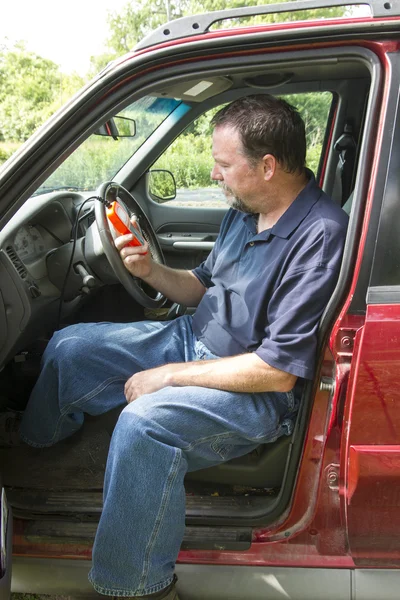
(68, 33)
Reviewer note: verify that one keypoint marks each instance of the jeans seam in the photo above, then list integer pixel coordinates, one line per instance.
(83, 400)
(163, 505)
(224, 435)
(290, 397)
(158, 587)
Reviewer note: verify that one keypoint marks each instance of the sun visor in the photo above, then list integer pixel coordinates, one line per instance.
(197, 90)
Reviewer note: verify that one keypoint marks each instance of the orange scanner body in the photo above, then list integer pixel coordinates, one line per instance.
(120, 220)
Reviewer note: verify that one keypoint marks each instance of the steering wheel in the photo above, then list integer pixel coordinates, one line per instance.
(111, 191)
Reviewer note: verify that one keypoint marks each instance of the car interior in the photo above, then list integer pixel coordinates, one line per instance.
(58, 267)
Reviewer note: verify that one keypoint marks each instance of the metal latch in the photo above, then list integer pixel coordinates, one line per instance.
(332, 476)
(327, 384)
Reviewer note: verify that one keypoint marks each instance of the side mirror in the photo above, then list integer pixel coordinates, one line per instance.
(161, 185)
(118, 127)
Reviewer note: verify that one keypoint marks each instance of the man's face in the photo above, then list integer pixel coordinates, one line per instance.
(241, 181)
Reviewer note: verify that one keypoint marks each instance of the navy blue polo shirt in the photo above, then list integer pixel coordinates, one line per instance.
(267, 291)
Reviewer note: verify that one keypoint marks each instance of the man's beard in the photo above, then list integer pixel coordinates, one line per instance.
(236, 202)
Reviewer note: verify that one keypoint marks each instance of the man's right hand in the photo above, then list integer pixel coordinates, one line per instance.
(137, 259)
(179, 285)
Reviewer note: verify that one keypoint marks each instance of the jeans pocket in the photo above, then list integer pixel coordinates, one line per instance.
(202, 352)
(222, 446)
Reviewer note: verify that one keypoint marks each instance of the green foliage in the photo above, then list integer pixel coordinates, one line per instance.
(69, 85)
(314, 108)
(27, 84)
(7, 149)
(189, 159)
(98, 63)
(201, 6)
(139, 18)
(31, 89)
(94, 162)
(162, 185)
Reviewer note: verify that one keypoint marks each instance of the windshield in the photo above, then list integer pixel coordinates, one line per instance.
(100, 157)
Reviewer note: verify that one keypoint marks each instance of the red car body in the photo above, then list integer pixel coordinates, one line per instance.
(342, 516)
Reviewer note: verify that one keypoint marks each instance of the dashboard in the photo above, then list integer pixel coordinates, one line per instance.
(33, 239)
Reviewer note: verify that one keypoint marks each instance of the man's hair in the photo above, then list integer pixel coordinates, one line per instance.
(267, 125)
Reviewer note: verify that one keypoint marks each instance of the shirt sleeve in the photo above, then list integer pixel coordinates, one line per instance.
(293, 317)
(298, 301)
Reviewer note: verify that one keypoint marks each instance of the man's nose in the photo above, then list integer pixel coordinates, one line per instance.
(215, 174)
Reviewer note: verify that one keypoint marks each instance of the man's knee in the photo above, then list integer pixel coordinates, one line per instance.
(148, 416)
(160, 407)
(69, 343)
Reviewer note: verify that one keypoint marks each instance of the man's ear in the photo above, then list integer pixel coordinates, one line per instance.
(269, 166)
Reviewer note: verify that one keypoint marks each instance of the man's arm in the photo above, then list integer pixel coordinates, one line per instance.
(243, 373)
(178, 285)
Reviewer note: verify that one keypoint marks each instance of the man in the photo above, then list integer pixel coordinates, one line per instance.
(205, 389)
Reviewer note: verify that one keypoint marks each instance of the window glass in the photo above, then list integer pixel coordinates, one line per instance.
(190, 161)
(100, 157)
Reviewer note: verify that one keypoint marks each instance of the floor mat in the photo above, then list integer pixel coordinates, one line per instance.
(76, 463)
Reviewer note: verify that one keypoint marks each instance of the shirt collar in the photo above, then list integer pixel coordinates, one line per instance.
(296, 212)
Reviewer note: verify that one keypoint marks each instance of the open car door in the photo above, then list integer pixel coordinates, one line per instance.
(371, 458)
(6, 547)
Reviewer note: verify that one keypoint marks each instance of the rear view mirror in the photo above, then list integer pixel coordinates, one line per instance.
(161, 185)
(118, 127)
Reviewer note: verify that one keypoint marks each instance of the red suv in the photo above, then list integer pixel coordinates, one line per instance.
(315, 515)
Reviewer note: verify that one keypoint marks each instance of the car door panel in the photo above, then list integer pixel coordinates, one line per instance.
(186, 234)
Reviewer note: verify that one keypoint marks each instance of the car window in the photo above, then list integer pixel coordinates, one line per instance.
(190, 161)
(102, 155)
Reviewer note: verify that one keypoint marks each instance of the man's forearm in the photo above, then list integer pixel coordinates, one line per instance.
(244, 373)
(178, 285)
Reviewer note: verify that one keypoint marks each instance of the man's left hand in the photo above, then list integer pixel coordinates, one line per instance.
(147, 382)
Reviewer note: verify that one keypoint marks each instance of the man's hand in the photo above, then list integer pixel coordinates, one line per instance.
(179, 285)
(147, 382)
(137, 259)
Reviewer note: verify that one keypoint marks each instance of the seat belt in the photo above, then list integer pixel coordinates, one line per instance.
(345, 145)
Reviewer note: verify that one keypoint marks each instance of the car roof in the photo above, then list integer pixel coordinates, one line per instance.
(195, 25)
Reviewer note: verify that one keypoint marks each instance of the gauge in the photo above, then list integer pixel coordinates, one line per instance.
(29, 242)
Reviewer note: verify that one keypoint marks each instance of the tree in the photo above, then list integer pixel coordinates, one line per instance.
(100, 61)
(139, 18)
(28, 85)
(202, 6)
(31, 89)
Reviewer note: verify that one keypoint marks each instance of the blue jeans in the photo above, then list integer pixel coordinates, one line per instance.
(157, 439)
